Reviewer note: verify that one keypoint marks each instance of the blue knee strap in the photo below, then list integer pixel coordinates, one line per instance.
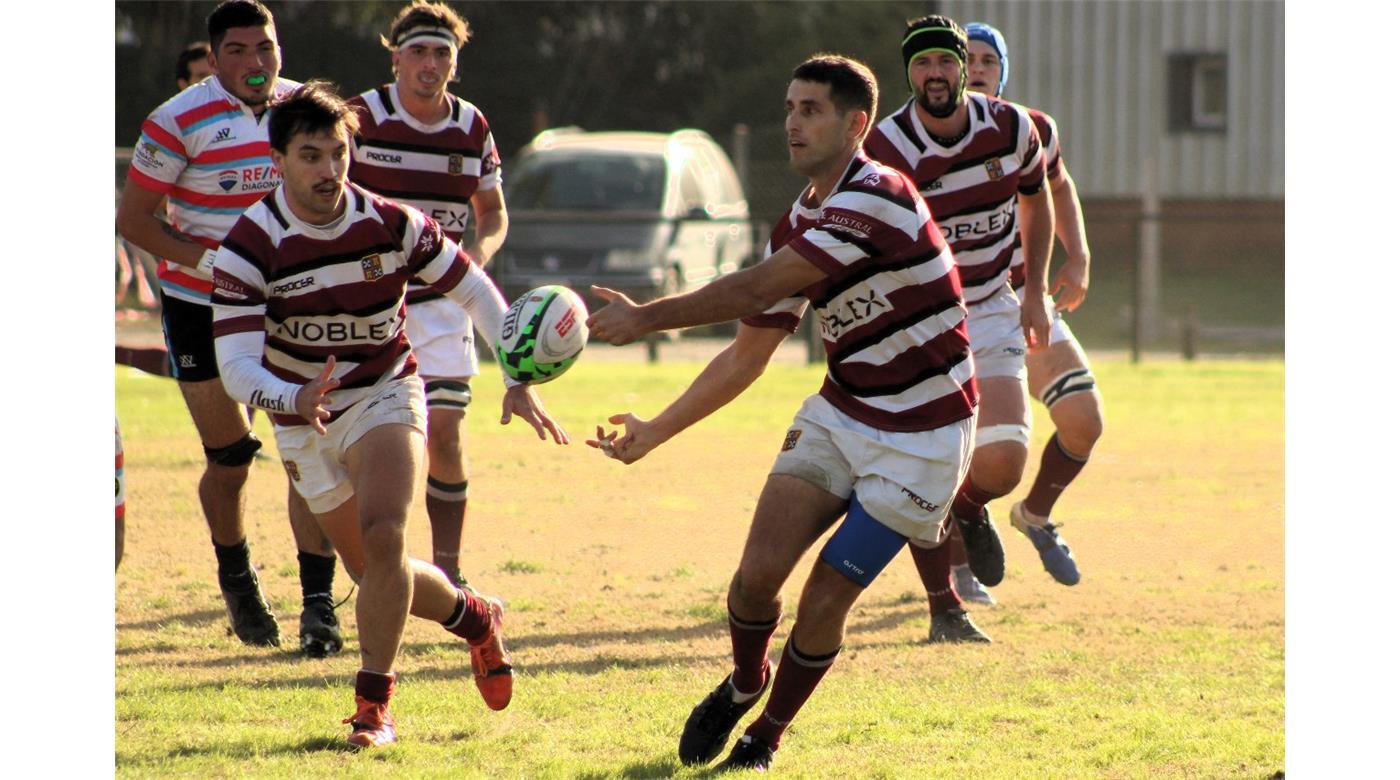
(863, 546)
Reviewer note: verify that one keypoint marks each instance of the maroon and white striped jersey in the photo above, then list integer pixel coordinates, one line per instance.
(296, 294)
(207, 152)
(434, 168)
(1049, 133)
(891, 308)
(971, 186)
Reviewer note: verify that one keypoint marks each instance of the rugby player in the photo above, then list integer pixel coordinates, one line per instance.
(206, 148)
(1058, 375)
(308, 324)
(978, 163)
(423, 146)
(885, 442)
(192, 66)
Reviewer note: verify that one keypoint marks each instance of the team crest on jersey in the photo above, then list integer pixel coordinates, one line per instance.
(228, 179)
(791, 441)
(994, 170)
(454, 164)
(292, 470)
(148, 154)
(373, 268)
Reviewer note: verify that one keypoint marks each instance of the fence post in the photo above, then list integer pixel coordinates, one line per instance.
(1190, 333)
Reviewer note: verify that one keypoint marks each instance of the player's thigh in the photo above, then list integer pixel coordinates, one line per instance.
(341, 525)
(218, 418)
(384, 466)
(1046, 365)
(792, 513)
(1002, 402)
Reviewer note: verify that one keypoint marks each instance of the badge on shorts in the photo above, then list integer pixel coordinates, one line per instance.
(372, 267)
(454, 164)
(994, 171)
(292, 470)
(791, 441)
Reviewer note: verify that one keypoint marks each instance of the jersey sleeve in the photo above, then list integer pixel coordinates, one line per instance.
(239, 302)
(785, 314)
(490, 158)
(160, 155)
(1031, 174)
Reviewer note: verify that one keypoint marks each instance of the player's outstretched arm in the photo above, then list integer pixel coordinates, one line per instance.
(1036, 214)
(1071, 282)
(727, 375)
(740, 294)
(138, 223)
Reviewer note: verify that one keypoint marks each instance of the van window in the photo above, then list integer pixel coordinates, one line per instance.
(692, 194)
(587, 182)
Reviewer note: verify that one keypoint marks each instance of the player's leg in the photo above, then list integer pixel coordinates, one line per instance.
(152, 360)
(319, 629)
(447, 472)
(1061, 378)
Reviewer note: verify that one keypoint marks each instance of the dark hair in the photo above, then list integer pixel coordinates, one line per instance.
(421, 13)
(313, 107)
(236, 13)
(195, 51)
(851, 82)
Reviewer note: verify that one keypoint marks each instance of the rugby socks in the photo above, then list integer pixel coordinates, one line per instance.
(1058, 468)
(798, 675)
(447, 514)
(235, 572)
(375, 686)
(959, 552)
(935, 567)
(970, 499)
(317, 574)
(750, 642)
(470, 619)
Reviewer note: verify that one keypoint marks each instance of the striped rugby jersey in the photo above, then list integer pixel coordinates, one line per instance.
(891, 307)
(434, 168)
(206, 151)
(1049, 134)
(339, 290)
(970, 187)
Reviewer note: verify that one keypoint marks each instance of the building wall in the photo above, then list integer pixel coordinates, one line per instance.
(1100, 68)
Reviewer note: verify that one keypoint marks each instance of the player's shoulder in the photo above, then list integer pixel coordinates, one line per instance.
(283, 86)
(873, 177)
(196, 99)
(1003, 113)
(467, 116)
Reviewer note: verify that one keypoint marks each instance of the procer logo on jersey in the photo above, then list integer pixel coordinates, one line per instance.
(372, 267)
(394, 159)
(297, 284)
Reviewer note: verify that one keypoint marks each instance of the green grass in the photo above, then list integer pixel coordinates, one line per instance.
(1167, 660)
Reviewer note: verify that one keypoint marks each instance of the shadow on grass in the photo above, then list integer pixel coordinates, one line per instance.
(657, 767)
(191, 618)
(247, 750)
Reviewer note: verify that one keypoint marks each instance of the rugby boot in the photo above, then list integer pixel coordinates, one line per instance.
(249, 615)
(955, 625)
(1055, 554)
(491, 663)
(749, 752)
(371, 726)
(969, 589)
(985, 555)
(708, 728)
(320, 630)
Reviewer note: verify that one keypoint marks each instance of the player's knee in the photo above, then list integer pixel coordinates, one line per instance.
(1080, 425)
(755, 586)
(383, 539)
(445, 443)
(236, 455)
(997, 467)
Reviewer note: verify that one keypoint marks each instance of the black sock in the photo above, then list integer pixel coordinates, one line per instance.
(235, 572)
(317, 574)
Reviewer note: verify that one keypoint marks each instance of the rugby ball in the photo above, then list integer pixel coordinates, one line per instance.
(542, 334)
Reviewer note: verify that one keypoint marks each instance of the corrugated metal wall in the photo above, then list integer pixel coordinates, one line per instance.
(1100, 68)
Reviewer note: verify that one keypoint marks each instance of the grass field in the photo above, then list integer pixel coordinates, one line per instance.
(1167, 660)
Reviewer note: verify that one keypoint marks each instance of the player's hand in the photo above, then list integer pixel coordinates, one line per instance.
(1071, 284)
(521, 401)
(311, 399)
(619, 322)
(1035, 320)
(638, 438)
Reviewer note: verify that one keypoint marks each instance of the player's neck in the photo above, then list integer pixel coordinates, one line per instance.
(825, 181)
(429, 110)
(955, 125)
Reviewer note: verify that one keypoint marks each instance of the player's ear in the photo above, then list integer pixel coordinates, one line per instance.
(857, 121)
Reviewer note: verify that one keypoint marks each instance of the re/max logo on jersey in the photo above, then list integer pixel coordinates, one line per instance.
(263, 177)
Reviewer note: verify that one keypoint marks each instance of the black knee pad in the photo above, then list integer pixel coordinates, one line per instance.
(240, 453)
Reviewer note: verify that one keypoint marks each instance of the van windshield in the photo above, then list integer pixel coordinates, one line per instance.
(587, 182)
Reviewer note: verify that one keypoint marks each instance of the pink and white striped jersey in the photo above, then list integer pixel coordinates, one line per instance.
(206, 151)
(435, 168)
(971, 186)
(1049, 133)
(891, 308)
(314, 292)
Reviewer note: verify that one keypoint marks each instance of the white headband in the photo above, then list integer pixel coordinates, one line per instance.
(427, 36)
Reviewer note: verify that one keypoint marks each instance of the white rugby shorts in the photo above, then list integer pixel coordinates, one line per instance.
(994, 330)
(904, 480)
(442, 338)
(316, 463)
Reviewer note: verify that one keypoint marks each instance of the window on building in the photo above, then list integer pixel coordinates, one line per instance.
(1197, 89)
